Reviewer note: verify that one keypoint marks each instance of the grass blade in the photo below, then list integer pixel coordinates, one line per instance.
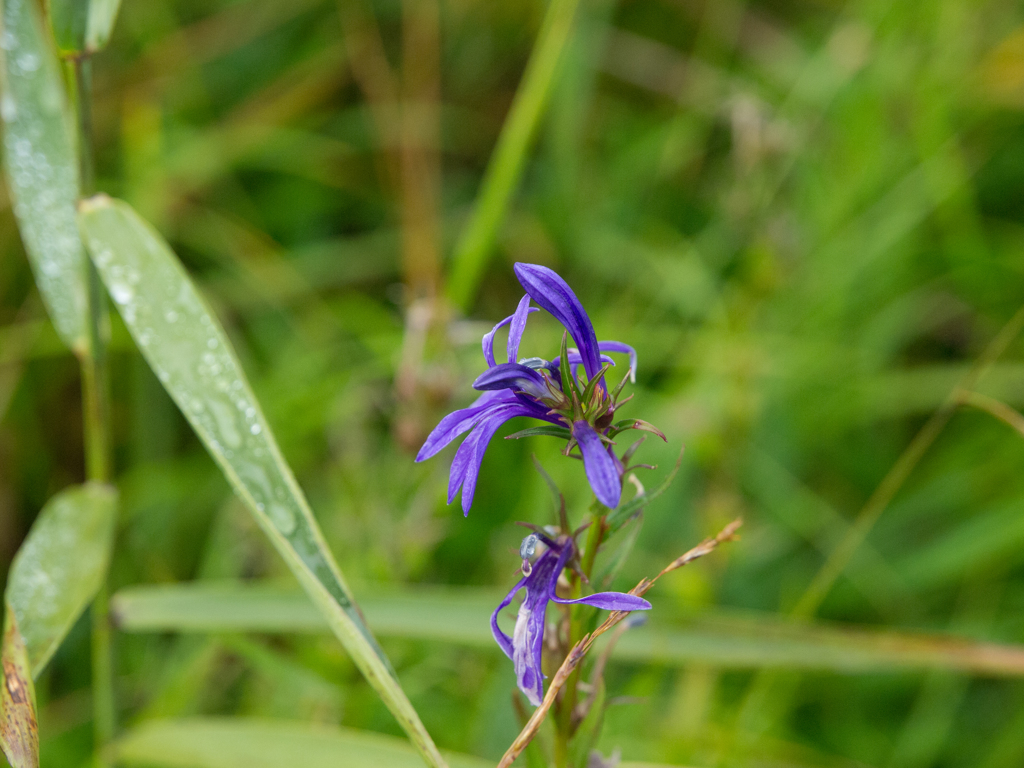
(190, 354)
(726, 639)
(222, 742)
(209, 742)
(42, 167)
(82, 25)
(60, 567)
(506, 165)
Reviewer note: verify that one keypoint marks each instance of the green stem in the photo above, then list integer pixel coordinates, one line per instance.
(506, 164)
(577, 629)
(96, 415)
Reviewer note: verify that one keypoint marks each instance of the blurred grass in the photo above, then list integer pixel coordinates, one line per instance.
(806, 217)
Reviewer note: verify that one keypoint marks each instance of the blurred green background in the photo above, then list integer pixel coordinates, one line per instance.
(808, 218)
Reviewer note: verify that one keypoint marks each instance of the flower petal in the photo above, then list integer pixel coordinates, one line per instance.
(466, 464)
(528, 636)
(610, 601)
(487, 342)
(515, 331)
(553, 294)
(599, 465)
(457, 422)
(528, 649)
(576, 359)
(618, 346)
(512, 376)
(503, 640)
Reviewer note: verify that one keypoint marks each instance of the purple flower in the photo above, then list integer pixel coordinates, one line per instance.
(539, 582)
(534, 387)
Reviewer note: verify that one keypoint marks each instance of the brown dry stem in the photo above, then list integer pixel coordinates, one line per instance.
(579, 651)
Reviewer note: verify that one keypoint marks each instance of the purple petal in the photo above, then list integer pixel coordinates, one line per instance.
(618, 346)
(528, 636)
(457, 422)
(487, 342)
(503, 640)
(466, 464)
(553, 294)
(512, 376)
(527, 650)
(575, 359)
(515, 331)
(598, 464)
(610, 601)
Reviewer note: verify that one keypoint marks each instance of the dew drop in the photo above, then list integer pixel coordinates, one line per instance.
(28, 62)
(282, 518)
(255, 429)
(121, 293)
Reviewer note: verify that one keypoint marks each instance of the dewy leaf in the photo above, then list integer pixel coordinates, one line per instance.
(234, 742)
(458, 615)
(19, 731)
(102, 15)
(60, 567)
(625, 512)
(224, 742)
(41, 165)
(190, 354)
(82, 25)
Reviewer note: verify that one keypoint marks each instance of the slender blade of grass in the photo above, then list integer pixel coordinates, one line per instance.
(211, 742)
(191, 355)
(461, 616)
(82, 27)
(60, 567)
(42, 167)
(223, 742)
(506, 164)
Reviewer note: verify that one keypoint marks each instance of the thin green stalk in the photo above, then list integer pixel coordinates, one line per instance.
(766, 682)
(900, 471)
(577, 629)
(506, 164)
(96, 416)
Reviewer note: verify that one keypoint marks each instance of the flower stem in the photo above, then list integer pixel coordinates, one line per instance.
(577, 629)
(96, 412)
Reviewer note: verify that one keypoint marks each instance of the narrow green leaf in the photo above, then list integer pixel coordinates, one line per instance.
(624, 512)
(588, 391)
(60, 567)
(564, 369)
(551, 431)
(82, 26)
(19, 730)
(449, 615)
(210, 742)
(585, 738)
(190, 354)
(102, 15)
(614, 565)
(68, 20)
(622, 426)
(42, 167)
(506, 165)
(563, 518)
